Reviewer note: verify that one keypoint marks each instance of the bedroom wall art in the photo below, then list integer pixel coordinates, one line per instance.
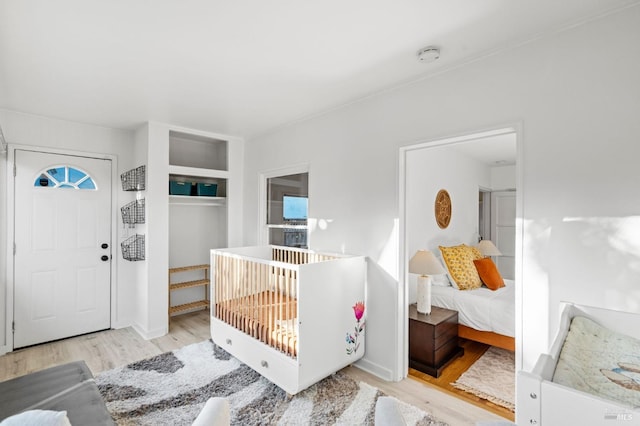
(443, 209)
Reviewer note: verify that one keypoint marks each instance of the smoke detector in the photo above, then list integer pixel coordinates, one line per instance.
(428, 54)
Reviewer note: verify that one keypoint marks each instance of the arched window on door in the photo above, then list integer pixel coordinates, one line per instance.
(65, 177)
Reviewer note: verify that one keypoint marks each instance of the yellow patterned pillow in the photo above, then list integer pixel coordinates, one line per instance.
(459, 262)
(477, 255)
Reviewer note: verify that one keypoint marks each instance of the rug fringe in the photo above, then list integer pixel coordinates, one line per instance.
(486, 396)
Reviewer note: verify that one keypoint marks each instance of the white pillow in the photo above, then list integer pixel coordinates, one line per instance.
(443, 280)
(440, 280)
(38, 418)
(454, 284)
(216, 412)
(387, 412)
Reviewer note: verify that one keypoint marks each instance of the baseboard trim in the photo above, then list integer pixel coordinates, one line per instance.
(150, 334)
(5, 350)
(121, 324)
(375, 369)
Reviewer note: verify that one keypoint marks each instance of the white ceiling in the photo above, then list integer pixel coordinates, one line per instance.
(244, 67)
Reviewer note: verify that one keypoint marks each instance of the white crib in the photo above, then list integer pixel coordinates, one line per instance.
(543, 402)
(288, 313)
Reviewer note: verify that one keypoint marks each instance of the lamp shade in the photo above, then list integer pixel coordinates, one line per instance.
(487, 248)
(424, 262)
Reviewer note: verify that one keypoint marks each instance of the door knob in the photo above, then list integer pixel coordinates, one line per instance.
(104, 245)
(104, 258)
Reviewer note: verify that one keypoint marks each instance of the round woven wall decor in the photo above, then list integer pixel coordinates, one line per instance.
(443, 209)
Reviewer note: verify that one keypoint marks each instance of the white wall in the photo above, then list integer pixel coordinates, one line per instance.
(29, 130)
(138, 270)
(157, 239)
(503, 177)
(428, 171)
(576, 95)
(352, 197)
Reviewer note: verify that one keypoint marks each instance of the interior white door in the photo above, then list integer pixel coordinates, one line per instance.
(62, 260)
(503, 231)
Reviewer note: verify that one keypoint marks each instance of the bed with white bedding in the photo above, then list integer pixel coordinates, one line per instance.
(484, 315)
(484, 300)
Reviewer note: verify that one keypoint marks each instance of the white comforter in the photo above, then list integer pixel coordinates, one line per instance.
(481, 309)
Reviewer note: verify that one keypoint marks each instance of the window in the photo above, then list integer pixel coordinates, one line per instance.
(65, 177)
(287, 210)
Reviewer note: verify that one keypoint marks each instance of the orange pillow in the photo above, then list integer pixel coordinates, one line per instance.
(489, 273)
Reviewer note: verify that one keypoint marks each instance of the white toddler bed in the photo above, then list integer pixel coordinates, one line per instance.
(293, 315)
(591, 375)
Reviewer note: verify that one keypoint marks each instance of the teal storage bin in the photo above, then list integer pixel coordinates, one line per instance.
(179, 188)
(206, 189)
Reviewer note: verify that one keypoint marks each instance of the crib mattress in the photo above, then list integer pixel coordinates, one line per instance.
(601, 362)
(268, 316)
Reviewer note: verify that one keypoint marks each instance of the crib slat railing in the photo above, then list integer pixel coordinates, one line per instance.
(278, 318)
(296, 256)
(277, 311)
(258, 298)
(253, 296)
(291, 318)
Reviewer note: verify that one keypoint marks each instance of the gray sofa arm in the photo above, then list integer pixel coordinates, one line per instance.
(69, 387)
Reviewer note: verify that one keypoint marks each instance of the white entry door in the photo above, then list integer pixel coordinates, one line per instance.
(62, 257)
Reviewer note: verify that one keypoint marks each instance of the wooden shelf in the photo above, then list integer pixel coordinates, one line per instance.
(188, 284)
(188, 268)
(199, 304)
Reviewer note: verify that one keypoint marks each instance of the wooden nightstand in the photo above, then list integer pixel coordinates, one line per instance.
(433, 339)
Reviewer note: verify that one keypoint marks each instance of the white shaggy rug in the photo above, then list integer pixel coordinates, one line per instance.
(171, 389)
(492, 377)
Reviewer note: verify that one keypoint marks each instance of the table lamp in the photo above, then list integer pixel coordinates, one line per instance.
(425, 263)
(488, 249)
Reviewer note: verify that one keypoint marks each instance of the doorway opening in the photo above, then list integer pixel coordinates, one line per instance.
(449, 164)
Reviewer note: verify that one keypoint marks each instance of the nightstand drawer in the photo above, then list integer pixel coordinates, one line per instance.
(446, 331)
(445, 351)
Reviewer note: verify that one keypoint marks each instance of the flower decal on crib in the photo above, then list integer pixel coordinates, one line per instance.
(352, 339)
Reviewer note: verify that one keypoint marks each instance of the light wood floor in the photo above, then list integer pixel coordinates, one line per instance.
(108, 349)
